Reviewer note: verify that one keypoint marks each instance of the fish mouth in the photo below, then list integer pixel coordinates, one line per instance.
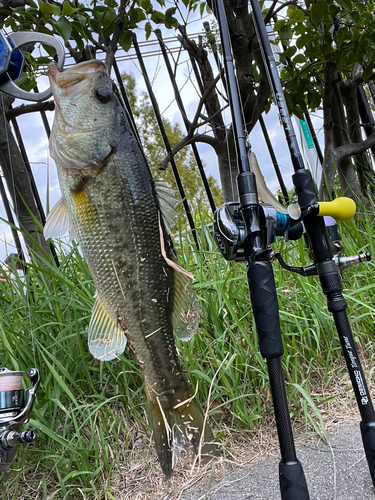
(75, 74)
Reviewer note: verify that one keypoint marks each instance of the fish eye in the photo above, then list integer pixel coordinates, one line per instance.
(103, 95)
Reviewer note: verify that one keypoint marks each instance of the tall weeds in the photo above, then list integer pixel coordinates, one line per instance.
(89, 415)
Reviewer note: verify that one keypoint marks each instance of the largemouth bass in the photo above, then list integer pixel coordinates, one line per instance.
(120, 217)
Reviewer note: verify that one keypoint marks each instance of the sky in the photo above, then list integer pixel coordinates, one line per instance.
(44, 169)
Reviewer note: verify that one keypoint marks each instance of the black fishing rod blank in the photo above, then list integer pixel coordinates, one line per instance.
(185, 118)
(165, 139)
(261, 121)
(321, 249)
(261, 280)
(10, 217)
(306, 113)
(34, 188)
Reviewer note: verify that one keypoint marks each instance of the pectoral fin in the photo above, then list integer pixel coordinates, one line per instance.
(167, 203)
(185, 315)
(186, 311)
(106, 337)
(58, 222)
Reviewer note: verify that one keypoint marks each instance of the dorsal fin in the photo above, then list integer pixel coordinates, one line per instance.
(106, 337)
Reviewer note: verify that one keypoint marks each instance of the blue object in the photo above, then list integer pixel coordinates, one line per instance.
(11, 62)
(283, 222)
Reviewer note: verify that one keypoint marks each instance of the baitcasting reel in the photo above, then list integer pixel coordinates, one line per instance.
(229, 234)
(15, 409)
(229, 229)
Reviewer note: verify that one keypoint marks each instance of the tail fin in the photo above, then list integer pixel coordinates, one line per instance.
(180, 432)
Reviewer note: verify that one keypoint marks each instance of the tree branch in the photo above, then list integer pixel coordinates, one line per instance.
(189, 139)
(205, 94)
(29, 108)
(328, 172)
(193, 125)
(354, 148)
(112, 47)
(212, 104)
(270, 12)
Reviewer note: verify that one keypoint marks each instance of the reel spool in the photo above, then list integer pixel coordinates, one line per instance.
(11, 394)
(15, 409)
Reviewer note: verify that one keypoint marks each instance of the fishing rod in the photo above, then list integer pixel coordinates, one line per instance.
(260, 275)
(12, 224)
(33, 185)
(324, 261)
(262, 124)
(246, 233)
(305, 113)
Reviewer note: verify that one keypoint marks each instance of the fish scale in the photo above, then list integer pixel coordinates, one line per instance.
(111, 204)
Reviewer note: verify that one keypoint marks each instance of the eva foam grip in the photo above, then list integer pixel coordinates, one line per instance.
(293, 482)
(368, 438)
(265, 308)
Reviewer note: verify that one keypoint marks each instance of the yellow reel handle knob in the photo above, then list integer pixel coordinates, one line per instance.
(340, 209)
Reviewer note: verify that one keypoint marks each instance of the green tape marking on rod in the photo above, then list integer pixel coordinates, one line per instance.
(307, 134)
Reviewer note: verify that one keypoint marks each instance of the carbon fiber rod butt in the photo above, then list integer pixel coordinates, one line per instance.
(368, 438)
(292, 481)
(265, 308)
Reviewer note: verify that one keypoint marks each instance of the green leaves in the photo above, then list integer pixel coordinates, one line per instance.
(47, 9)
(319, 12)
(286, 33)
(346, 5)
(67, 9)
(320, 36)
(146, 6)
(295, 14)
(300, 58)
(148, 30)
(157, 17)
(64, 28)
(125, 39)
(303, 40)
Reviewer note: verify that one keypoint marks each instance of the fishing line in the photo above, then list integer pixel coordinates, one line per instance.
(227, 129)
(6, 124)
(15, 210)
(174, 100)
(20, 251)
(230, 163)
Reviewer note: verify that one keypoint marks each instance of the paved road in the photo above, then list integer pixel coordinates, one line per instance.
(338, 471)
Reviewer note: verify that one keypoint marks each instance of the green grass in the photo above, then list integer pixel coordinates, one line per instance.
(88, 414)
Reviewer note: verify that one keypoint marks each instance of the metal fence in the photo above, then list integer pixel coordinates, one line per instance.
(156, 60)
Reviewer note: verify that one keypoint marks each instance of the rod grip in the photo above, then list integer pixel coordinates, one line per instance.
(292, 481)
(368, 438)
(265, 308)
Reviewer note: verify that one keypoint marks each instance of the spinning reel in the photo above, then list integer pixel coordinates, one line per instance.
(15, 409)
